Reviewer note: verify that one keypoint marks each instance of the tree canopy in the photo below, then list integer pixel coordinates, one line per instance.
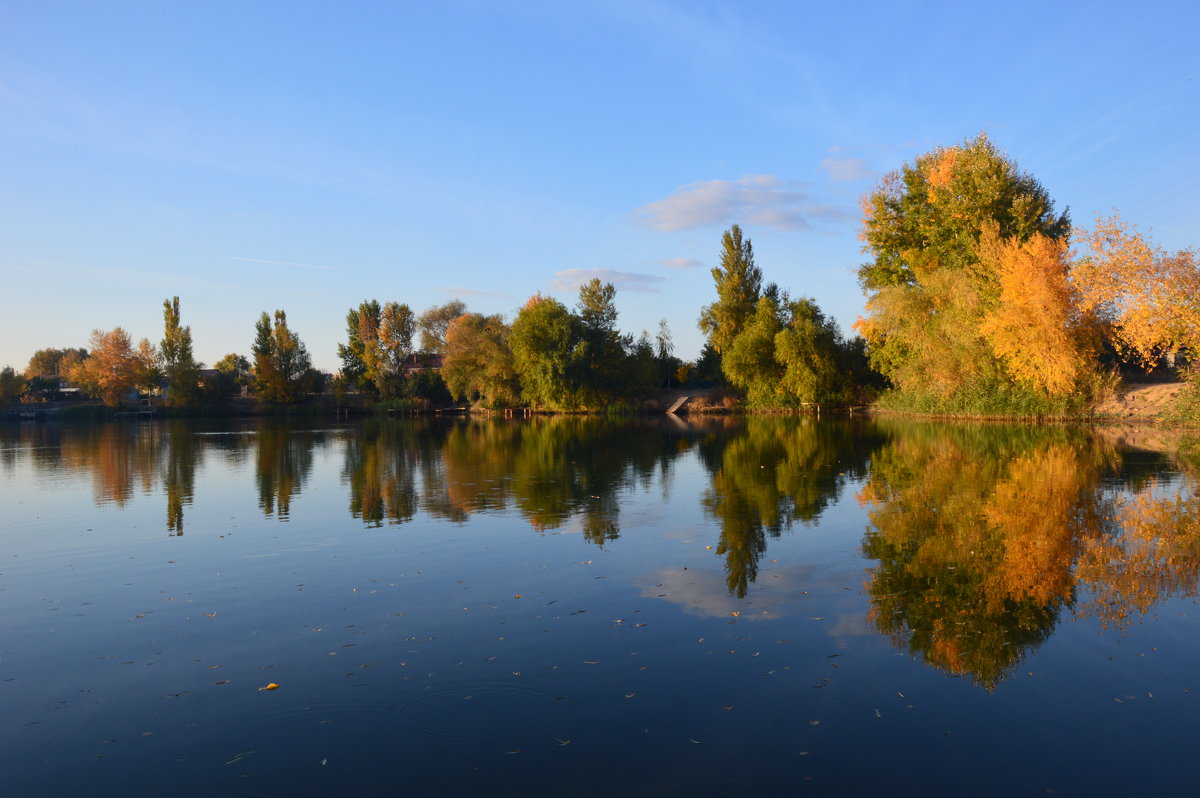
(739, 285)
(967, 294)
(283, 371)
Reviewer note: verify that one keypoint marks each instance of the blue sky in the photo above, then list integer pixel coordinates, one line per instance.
(308, 156)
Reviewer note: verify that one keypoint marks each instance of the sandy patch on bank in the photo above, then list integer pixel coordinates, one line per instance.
(1141, 401)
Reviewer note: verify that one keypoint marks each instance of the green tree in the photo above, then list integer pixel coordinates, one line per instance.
(641, 368)
(233, 373)
(478, 363)
(434, 323)
(668, 364)
(175, 353)
(361, 324)
(12, 385)
(739, 285)
(932, 212)
(599, 357)
(750, 362)
(283, 371)
(543, 339)
(54, 362)
(809, 350)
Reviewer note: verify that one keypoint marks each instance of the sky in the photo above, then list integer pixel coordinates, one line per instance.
(253, 156)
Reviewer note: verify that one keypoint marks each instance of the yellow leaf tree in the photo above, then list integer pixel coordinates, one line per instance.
(1035, 327)
(1150, 297)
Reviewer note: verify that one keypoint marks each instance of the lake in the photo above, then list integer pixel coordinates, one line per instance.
(576, 606)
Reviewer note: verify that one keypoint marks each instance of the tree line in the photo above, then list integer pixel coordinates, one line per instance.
(975, 303)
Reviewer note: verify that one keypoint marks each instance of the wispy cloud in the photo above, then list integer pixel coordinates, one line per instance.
(279, 263)
(571, 279)
(762, 200)
(847, 170)
(458, 291)
(681, 263)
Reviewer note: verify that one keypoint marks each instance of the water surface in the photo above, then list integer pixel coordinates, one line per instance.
(574, 606)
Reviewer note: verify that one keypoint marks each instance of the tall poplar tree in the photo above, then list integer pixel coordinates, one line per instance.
(739, 285)
(175, 353)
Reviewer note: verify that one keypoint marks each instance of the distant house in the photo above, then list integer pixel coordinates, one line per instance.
(53, 388)
(422, 361)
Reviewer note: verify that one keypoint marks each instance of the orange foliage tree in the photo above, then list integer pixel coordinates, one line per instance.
(1150, 297)
(1036, 327)
(115, 366)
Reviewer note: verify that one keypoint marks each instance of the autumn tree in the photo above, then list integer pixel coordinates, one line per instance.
(379, 342)
(54, 362)
(478, 362)
(283, 371)
(1149, 297)
(739, 285)
(115, 366)
(434, 323)
(1036, 326)
(385, 353)
(929, 289)
(175, 352)
(235, 365)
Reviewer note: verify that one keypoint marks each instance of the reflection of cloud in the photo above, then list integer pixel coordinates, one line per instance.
(754, 199)
(458, 291)
(681, 263)
(279, 263)
(571, 279)
(851, 625)
(847, 170)
(704, 592)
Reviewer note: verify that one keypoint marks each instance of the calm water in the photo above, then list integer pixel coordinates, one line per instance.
(579, 607)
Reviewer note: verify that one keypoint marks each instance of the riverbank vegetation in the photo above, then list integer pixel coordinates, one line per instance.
(976, 304)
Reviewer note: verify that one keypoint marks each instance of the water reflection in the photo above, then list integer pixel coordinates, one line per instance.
(772, 473)
(980, 539)
(984, 537)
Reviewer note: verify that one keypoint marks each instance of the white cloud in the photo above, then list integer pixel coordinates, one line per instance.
(571, 279)
(762, 200)
(681, 263)
(847, 170)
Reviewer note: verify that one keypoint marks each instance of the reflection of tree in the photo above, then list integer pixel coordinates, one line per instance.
(179, 472)
(1156, 556)
(551, 470)
(976, 530)
(283, 460)
(380, 467)
(772, 473)
(119, 458)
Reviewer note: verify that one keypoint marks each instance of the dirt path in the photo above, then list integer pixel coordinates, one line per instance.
(1141, 401)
